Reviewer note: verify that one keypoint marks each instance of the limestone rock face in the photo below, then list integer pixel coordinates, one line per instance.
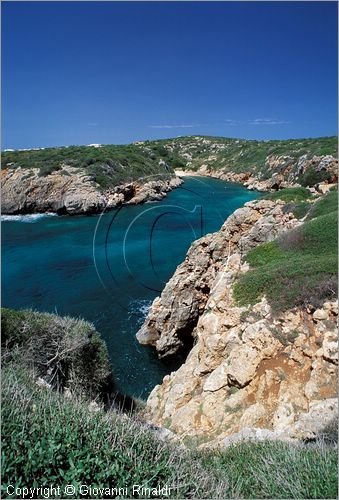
(249, 374)
(153, 190)
(71, 191)
(64, 191)
(274, 378)
(173, 317)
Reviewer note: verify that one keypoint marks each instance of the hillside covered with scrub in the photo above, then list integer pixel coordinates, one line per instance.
(62, 423)
(89, 179)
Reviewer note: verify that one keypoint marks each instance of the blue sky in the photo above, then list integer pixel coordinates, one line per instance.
(111, 72)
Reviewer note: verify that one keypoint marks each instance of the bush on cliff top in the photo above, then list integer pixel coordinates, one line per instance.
(66, 352)
(325, 205)
(109, 165)
(298, 268)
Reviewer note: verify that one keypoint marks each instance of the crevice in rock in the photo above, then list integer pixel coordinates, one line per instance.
(61, 211)
(185, 343)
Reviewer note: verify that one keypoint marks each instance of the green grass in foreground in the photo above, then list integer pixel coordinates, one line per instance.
(48, 439)
(298, 268)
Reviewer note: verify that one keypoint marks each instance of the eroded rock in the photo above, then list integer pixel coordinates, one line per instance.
(71, 191)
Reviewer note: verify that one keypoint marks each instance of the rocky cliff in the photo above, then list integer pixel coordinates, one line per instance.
(72, 191)
(251, 371)
(262, 165)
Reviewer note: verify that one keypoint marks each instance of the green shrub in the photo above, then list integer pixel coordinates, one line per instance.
(111, 165)
(312, 177)
(48, 169)
(298, 268)
(66, 352)
(300, 210)
(141, 160)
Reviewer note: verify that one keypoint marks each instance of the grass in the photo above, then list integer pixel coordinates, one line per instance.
(277, 470)
(48, 439)
(301, 202)
(297, 268)
(298, 200)
(326, 205)
(297, 194)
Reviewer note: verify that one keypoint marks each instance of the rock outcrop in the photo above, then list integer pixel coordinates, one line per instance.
(71, 191)
(170, 323)
(249, 373)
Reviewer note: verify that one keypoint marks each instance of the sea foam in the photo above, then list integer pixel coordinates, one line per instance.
(30, 218)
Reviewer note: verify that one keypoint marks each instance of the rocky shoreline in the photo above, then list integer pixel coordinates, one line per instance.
(278, 171)
(249, 373)
(73, 192)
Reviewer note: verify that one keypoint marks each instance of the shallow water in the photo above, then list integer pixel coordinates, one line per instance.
(108, 269)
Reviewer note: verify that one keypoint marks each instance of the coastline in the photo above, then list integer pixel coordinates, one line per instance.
(74, 193)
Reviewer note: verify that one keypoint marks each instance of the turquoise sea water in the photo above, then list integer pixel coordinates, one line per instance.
(107, 269)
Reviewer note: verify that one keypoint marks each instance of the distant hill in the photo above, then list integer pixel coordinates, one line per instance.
(111, 165)
(88, 179)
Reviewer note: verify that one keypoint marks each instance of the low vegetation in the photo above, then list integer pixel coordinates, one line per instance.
(107, 165)
(241, 155)
(48, 438)
(300, 267)
(278, 470)
(110, 165)
(326, 205)
(297, 194)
